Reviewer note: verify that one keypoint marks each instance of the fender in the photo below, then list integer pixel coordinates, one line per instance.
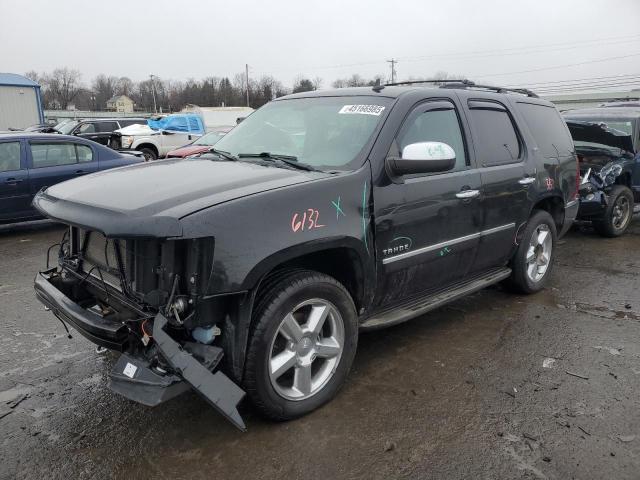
(365, 267)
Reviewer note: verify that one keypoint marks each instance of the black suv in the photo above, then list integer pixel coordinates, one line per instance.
(607, 141)
(322, 214)
(97, 129)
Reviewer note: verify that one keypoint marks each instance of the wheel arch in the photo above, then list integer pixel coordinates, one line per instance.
(342, 258)
(554, 205)
(147, 144)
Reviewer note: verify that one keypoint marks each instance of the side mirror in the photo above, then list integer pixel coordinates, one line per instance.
(423, 157)
(167, 132)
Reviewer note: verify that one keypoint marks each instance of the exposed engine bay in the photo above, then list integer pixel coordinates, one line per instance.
(149, 299)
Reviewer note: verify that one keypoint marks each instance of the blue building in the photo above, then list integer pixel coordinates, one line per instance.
(20, 102)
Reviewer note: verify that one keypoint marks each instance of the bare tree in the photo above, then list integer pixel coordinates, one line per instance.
(104, 88)
(63, 85)
(125, 86)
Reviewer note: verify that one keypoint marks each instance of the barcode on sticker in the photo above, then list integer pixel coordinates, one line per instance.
(130, 370)
(363, 109)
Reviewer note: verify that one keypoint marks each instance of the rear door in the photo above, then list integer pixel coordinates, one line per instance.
(104, 131)
(15, 196)
(53, 162)
(427, 227)
(506, 177)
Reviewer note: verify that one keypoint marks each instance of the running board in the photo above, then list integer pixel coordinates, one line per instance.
(216, 388)
(415, 308)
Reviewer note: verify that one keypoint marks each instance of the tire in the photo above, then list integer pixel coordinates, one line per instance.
(149, 154)
(617, 216)
(282, 393)
(531, 266)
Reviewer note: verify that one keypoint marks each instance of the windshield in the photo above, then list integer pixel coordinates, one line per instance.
(324, 132)
(209, 139)
(66, 126)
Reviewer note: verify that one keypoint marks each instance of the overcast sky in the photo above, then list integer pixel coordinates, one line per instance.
(487, 41)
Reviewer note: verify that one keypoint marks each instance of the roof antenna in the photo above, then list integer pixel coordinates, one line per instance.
(378, 87)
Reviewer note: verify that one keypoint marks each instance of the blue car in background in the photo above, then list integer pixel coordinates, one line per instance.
(31, 161)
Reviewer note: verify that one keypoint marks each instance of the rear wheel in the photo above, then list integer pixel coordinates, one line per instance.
(302, 345)
(617, 215)
(533, 260)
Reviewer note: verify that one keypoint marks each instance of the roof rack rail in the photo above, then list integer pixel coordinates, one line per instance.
(464, 83)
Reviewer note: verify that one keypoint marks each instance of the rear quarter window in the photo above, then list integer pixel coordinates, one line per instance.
(548, 129)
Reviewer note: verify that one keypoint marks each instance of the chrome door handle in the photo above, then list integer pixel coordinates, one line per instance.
(526, 181)
(466, 194)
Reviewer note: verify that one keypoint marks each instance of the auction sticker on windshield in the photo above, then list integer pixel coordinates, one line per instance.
(363, 109)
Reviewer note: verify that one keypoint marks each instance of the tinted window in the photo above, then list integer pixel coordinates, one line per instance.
(107, 126)
(87, 128)
(9, 156)
(548, 129)
(84, 153)
(496, 142)
(126, 123)
(52, 154)
(435, 126)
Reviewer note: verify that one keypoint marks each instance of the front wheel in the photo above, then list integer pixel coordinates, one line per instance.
(617, 215)
(149, 154)
(533, 260)
(302, 345)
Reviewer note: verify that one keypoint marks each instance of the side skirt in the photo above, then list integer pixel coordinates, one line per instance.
(416, 307)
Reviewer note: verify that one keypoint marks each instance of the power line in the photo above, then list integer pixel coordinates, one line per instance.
(514, 50)
(588, 87)
(551, 82)
(582, 84)
(608, 59)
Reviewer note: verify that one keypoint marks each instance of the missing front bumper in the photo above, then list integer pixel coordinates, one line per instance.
(193, 364)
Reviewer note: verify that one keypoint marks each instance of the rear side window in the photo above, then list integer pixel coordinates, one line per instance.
(87, 128)
(58, 153)
(126, 123)
(107, 126)
(9, 156)
(84, 153)
(548, 129)
(497, 142)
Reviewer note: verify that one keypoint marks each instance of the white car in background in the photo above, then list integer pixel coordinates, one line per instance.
(159, 136)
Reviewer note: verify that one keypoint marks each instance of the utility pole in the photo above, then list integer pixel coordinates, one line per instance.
(393, 62)
(247, 79)
(153, 92)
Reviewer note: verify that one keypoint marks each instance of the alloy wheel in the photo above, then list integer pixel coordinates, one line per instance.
(539, 253)
(621, 211)
(306, 349)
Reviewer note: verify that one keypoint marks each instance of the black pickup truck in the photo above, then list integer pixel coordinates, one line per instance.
(252, 268)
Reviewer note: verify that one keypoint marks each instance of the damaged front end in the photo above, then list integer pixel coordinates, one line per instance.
(150, 299)
(594, 190)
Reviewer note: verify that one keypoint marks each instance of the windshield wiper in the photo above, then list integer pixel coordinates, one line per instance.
(288, 159)
(223, 154)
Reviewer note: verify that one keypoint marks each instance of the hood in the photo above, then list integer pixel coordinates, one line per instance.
(188, 150)
(149, 199)
(137, 129)
(597, 133)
